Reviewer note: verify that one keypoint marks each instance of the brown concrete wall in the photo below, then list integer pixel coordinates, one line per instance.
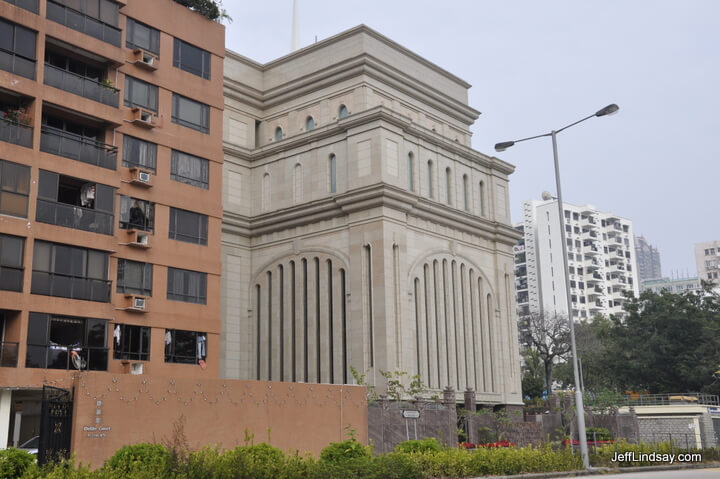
(134, 409)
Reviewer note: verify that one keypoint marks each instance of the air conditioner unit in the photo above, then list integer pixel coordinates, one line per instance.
(136, 368)
(138, 302)
(135, 304)
(145, 60)
(141, 176)
(138, 238)
(143, 118)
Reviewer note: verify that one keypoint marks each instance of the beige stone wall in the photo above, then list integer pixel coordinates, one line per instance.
(367, 232)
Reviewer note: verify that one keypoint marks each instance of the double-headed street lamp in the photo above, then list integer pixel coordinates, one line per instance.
(608, 110)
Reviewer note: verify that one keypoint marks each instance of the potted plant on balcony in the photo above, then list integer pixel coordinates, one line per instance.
(19, 116)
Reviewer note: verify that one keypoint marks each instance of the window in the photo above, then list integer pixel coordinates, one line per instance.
(343, 111)
(134, 277)
(14, 189)
(430, 172)
(53, 342)
(466, 194)
(11, 263)
(70, 272)
(191, 59)
(136, 214)
(139, 35)
(72, 65)
(188, 226)
(131, 342)
(17, 49)
(190, 113)
(83, 16)
(187, 286)
(309, 123)
(411, 172)
(140, 94)
(186, 347)
(481, 195)
(139, 153)
(448, 185)
(278, 134)
(75, 203)
(332, 174)
(189, 169)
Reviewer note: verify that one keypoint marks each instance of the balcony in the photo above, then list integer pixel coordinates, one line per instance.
(8, 354)
(79, 21)
(16, 133)
(56, 356)
(29, 5)
(79, 148)
(69, 286)
(11, 278)
(81, 86)
(76, 217)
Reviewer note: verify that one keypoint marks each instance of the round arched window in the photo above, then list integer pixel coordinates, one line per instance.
(343, 111)
(309, 123)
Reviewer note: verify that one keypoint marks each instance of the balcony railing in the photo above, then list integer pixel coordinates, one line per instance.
(76, 147)
(8, 354)
(79, 21)
(76, 217)
(31, 5)
(16, 133)
(82, 86)
(55, 356)
(671, 399)
(11, 278)
(19, 65)
(69, 286)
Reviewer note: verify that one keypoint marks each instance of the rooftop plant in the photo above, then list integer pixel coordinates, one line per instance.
(207, 8)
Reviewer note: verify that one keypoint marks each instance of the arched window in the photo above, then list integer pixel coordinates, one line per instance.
(332, 174)
(481, 210)
(430, 172)
(448, 185)
(411, 172)
(278, 134)
(466, 200)
(343, 111)
(309, 123)
(298, 183)
(265, 192)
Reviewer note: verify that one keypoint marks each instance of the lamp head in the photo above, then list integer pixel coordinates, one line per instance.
(608, 110)
(547, 196)
(504, 145)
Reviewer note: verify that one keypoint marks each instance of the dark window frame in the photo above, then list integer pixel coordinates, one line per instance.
(137, 348)
(185, 295)
(17, 49)
(183, 49)
(6, 190)
(12, 273)
(123, 285)
(145, 219)
(203, 127)
(152, 105)
(152, 47)
(129, 143)
(171, 346)
(202, 182)
(200, 238)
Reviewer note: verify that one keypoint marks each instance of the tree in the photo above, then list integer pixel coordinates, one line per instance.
(533, 379)
(549, 336)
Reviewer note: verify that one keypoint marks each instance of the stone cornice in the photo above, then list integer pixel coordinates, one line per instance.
(378, 113)
(379, 195)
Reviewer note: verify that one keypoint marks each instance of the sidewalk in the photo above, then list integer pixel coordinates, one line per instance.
(606, 470)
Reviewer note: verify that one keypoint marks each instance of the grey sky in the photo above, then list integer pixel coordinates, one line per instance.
(538, 65)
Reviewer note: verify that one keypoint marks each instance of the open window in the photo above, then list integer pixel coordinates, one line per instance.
(185, 347)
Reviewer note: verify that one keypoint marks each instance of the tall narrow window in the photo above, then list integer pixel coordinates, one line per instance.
(411, 172)
(369, 285)
(266, 192)
(278, 134)
(297, 183)
(343, 111)
(332, 174)
(466, 199)
(481, 195)
(448, 185)
(430, 184)
(309, 123)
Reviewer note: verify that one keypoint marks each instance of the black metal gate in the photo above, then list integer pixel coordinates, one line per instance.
(55, 425)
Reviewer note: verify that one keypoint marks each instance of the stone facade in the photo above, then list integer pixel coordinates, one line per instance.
(360, 228)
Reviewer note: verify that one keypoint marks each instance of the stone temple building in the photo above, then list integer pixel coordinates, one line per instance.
(360, 228)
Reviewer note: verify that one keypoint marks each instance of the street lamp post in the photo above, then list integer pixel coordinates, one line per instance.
(608, 110)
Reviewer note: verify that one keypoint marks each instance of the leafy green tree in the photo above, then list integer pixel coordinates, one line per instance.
(533, 378)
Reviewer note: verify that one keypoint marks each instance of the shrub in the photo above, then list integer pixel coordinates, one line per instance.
(418, 445)
(140, 460)
(601, 433)
(259, 461)
(339, 452)
(14, 462)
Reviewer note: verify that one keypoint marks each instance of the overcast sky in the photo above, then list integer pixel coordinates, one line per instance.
(539, 65)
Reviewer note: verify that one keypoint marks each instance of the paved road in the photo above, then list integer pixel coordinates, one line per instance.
(713, 473)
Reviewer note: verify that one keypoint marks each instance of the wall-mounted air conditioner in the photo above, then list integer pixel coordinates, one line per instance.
(145, 60)
(136, 304)
(138, 238)
(140, 177)
(143, 118)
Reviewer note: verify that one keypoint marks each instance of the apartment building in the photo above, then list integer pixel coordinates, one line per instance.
(648, 260)
(707, 260)
(601, 260)
(360, 227)
(110, 196)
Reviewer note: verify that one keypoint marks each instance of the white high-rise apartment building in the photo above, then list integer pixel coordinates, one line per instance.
(601, 260)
